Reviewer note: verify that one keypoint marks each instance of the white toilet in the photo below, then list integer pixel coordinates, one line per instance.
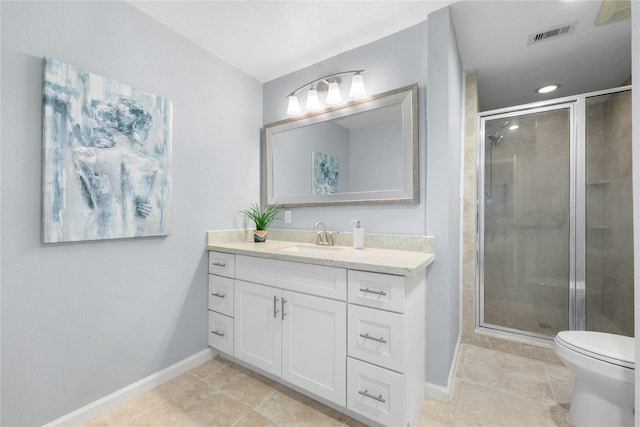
(604, 368)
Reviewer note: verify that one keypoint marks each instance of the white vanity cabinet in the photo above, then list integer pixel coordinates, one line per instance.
(221, 294)
(300, 337)
(354, 339)
(386, 368)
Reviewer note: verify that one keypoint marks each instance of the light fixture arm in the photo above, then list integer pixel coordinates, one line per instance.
(326, 80)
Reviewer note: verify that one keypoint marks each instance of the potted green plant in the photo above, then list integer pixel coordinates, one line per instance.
(261, 218)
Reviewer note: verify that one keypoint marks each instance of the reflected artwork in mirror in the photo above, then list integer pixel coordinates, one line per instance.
(365, 152)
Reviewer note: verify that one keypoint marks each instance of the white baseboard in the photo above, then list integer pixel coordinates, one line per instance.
(117, 398)
(443, 393)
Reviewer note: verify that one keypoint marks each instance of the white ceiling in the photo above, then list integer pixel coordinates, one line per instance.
(492, 38)
(268, 39)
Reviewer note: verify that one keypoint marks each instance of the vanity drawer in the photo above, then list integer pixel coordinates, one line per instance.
(221, 332)
(221, 264)
(221, 294)
(375, 393)
(320, 280)
(377, 290)
(376, 336)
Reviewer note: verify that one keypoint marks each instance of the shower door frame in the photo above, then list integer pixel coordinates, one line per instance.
(576, 104)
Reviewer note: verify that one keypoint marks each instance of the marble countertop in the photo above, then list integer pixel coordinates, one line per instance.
(383, 253)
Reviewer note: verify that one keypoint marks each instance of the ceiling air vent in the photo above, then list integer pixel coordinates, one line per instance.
(552, 33)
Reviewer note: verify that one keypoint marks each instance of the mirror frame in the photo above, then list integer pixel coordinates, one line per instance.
(407, 98)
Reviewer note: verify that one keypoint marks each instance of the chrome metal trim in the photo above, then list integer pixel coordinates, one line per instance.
(578, 260)
(369, 337)
(369, 291)
(371, 396)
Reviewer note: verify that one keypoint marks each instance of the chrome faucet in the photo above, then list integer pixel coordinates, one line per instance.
(324, 238)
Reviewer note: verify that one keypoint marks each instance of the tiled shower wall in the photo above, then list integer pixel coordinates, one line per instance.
(609, 215)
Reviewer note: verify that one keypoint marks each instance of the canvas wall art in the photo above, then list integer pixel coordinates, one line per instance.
(106, 158)
(325, 174)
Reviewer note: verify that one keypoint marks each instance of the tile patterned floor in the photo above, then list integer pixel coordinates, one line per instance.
(490, 389)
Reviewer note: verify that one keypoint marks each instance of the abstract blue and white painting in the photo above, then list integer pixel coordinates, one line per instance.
(325, 174)
(106, 158)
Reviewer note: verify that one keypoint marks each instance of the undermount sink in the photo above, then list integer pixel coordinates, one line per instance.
(309, 249)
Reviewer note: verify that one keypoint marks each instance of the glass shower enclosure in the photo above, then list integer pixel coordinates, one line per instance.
(555, 216)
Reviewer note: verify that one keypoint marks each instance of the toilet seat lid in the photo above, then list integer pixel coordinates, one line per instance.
(616, 349)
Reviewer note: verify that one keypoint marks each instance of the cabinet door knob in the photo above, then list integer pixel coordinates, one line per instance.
(371, 396)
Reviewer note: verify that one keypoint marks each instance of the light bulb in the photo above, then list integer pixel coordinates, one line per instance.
(294, 106)
(333, 96)
(357, 87)
(313, 103)
(548, 88)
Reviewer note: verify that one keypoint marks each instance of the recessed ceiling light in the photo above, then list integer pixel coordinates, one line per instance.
(513, 127)
(548, 88)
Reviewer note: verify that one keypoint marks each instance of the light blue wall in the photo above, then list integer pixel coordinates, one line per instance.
(395, 61)
(392, 62)
(82, 320)
(444, 165)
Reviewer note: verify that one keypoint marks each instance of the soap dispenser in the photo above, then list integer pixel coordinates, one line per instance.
(358, 235)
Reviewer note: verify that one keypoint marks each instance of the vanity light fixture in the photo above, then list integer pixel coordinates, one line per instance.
(331, 86)
(333, 95)
(313, 103)
(548, 88)
(357, 90)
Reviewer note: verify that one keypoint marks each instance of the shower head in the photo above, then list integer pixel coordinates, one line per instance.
(496, 139)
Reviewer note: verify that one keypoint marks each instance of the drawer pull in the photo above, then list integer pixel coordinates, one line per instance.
(220, 334)
(215, 294)
(371, 396)
(369, 337)
(219, 264)
(370, 291)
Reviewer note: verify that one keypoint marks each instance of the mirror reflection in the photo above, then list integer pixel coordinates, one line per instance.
(365, 152)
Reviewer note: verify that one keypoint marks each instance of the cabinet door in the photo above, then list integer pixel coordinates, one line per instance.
(377, 336)
(376, 393)
(221, 332)
(314, 345)
(258, 326)
(221, 294)
(222, 264)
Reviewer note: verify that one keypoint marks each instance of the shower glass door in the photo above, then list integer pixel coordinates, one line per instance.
(526, 217)
(556, 217)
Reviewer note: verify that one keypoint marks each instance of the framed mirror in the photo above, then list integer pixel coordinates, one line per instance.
(365, 152)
